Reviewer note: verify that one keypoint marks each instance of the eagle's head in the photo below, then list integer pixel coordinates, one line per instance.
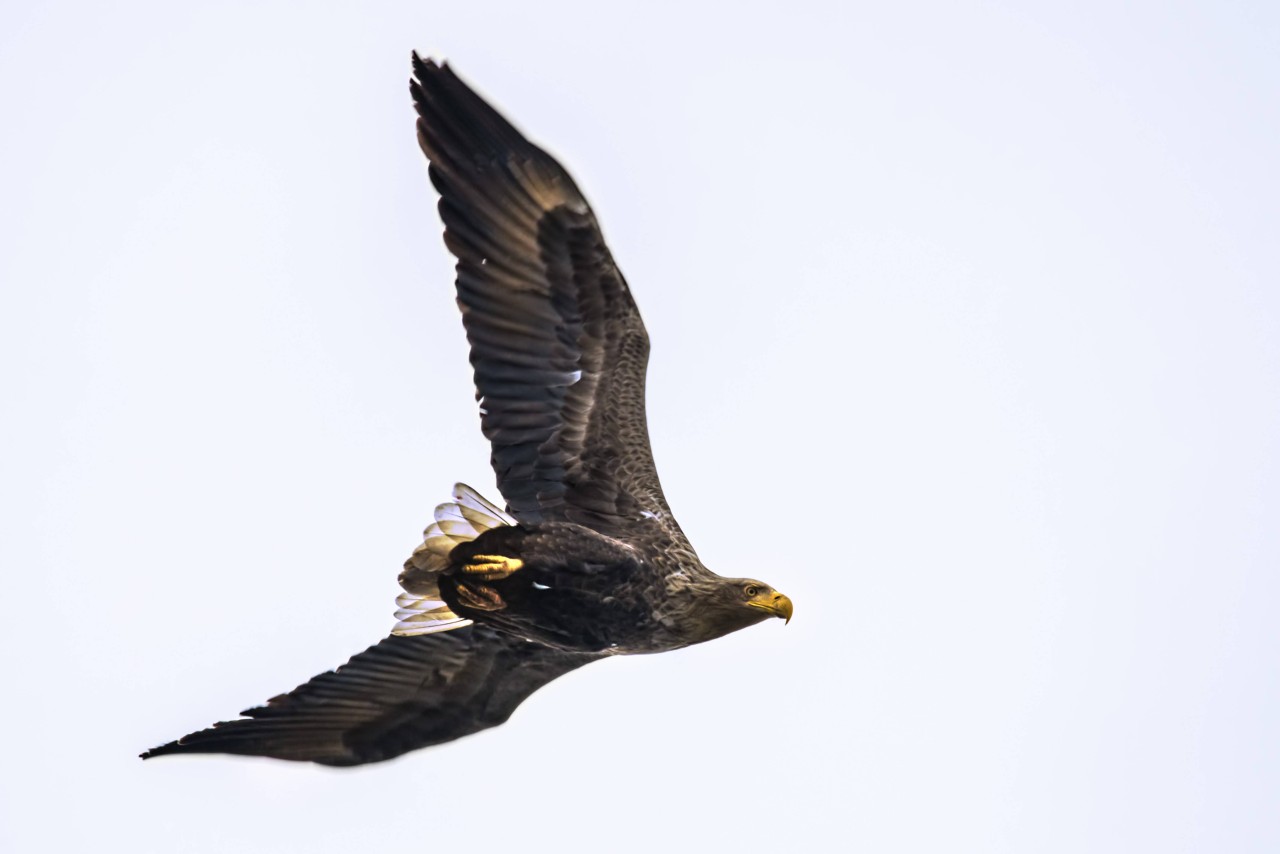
(763, 600)
(728, 604)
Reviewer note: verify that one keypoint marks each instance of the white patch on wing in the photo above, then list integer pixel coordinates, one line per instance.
(649, 514)
(537, 586)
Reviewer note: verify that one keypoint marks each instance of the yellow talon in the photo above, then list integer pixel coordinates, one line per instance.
(492, 567)
(480, 597)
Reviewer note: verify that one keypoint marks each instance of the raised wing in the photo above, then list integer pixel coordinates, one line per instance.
(399, 695)
(557, 344)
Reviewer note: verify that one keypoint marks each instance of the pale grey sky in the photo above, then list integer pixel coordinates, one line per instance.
(965, 331)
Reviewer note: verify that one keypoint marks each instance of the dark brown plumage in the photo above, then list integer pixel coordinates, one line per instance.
(589, 562)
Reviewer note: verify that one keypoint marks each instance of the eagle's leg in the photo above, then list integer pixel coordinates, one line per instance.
(491, 567)
(477, 568)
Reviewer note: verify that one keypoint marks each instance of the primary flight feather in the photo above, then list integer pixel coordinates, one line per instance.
(586, 561)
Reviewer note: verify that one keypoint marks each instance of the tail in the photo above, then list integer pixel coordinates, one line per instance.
(421, 610)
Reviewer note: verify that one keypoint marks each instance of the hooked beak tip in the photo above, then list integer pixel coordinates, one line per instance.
(783, 608)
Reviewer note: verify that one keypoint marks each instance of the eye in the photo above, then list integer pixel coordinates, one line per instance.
(752, 590)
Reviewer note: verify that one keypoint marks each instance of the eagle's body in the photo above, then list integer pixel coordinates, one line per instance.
(579, 591)
(587, 561)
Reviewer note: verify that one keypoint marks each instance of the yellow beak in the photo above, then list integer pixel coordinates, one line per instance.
(774, 603)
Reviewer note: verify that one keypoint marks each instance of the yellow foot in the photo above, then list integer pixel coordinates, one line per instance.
(479, 597)
(491, 567)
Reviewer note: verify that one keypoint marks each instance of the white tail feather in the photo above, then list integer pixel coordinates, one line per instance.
(468, 516)
(422, 616)
(468, 499)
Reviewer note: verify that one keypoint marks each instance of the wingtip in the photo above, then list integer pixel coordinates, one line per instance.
(157, 751)
(423, 71)
(423, 66)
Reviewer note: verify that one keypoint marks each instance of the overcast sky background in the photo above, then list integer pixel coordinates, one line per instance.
(966, 335)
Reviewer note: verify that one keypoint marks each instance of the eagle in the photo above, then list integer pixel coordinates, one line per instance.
(586, 560)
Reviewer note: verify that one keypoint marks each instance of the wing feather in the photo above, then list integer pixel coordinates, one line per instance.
(399, 695)
(558, 347)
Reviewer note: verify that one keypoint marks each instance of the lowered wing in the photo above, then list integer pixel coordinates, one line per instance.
(399, 695)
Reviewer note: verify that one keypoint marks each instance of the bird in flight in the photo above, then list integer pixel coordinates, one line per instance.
(586, 561)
